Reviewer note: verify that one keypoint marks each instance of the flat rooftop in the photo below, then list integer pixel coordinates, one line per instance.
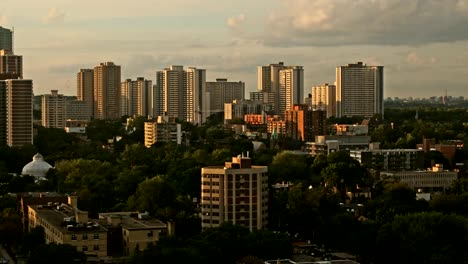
(64, 217)
(130, 221)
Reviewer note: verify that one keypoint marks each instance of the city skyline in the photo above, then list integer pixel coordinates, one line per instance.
(421, 44)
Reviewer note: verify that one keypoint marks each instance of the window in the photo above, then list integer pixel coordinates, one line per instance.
(84, 248)
(96, 236)
(150, 234)
(85, 236)
(73, 237)
(96, 247)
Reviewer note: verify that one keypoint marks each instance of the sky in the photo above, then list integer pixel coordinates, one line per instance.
(422, 44)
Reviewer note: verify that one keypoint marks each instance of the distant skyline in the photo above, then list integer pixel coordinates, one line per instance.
(421, 44)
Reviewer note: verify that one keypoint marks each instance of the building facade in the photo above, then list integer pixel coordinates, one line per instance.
(53, 110)
(66, 224)
(6, 39)
(107, 91)
(291, 88)
(238, 108)
(390, 159)
(136, 231)
(135, 97)
(85, 87)
(236, 192)
(76, 110)
(359, 90)
(18, 112)
(434, 180)
(162, 131)
(222, 92)
(324, 98)
(11, 66)
(268, 80)
(181, 94)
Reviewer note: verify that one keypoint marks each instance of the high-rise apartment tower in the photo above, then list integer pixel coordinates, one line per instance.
(359, 90)
(107, 91)
(53, 110)
(324, 98)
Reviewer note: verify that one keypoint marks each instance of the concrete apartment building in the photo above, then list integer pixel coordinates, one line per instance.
(53, 110)
(359, 90)
(11, 66)
(181, 94)
(324, 98)
(107, 91)
(237, 109)
(6, 39)
(85, 87)
(390, 159)
(66, 224)
(304, 124)
(77, 110)
(291, 88)
(236, 192)
(136, 97)
(286, 89)
(161, 130)
(325, 144)
(17, 112)
(222, 92)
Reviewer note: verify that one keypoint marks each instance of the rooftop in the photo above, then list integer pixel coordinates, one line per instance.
(133, 220)
(63, 217)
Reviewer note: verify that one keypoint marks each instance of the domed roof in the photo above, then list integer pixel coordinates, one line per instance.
(37, 167)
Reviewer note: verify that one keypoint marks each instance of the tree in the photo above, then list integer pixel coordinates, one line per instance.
(289, 167)
(56, 254)
(155, 196)
(342, 172)
(423, 238)
(33, 239)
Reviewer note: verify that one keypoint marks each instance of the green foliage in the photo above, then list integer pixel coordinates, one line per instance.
(33, 239)
(56, 254)
(342, 172)
(11, 228)
(288, 167)
(423, 238)
(155, 196)
(229, 243)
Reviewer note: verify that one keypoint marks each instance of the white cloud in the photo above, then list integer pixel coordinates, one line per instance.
(54, 16)
(235, 21)
(383, 22)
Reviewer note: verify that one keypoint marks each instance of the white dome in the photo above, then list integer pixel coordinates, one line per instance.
(37, 168)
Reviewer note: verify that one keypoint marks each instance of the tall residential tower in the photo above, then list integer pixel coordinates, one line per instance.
(107, 91)
(85, 87)
(324, 98)
(359, 90)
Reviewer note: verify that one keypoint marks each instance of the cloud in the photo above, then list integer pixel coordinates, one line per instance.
(415, 59)
(235, 21)
(54, 16)
(369, 22)
(3, 20)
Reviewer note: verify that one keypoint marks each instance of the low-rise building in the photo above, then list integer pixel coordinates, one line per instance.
(162, 131)
(327, 144)
(434, 180)
(137, 230)
(66, 224)
(390, 159)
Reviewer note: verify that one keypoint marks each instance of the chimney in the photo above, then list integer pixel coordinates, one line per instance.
(73, 201)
